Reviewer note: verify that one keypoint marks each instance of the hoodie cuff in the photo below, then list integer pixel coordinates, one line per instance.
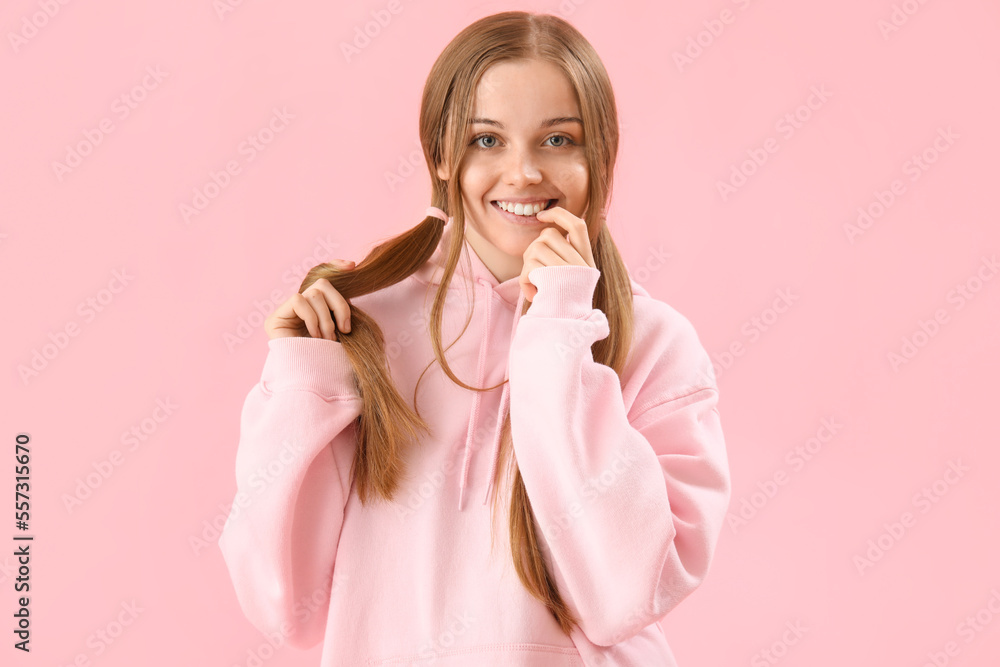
(311, 364)
(565, 291)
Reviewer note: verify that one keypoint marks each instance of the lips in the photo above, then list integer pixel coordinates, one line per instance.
(527, 221)
(521, 200)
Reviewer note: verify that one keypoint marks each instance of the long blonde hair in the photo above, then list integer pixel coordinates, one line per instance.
(387, 423)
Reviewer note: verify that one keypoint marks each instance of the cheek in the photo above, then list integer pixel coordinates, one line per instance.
(574, 178)
(474, 181)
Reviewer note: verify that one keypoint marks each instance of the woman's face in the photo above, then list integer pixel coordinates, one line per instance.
(525, 144)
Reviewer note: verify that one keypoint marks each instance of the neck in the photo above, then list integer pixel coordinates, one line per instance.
(501, 265)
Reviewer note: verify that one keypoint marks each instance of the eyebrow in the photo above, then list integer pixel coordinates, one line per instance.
(545, 123)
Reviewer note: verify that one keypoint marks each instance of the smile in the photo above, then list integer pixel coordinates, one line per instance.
(527, 210)
(523, 215)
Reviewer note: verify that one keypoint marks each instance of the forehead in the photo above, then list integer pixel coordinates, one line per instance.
(532, 87)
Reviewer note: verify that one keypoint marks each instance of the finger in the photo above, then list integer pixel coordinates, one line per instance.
(574, 227)
(326, 299)
(529, 290)
(304, 311)
(286, 320)
(527, 286)
(324, 317)
(546, 250)
(522, 280)
(556, 241)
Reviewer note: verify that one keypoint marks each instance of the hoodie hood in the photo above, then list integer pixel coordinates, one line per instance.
(472, 270)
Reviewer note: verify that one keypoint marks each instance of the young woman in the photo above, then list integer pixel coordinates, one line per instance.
(586, 409)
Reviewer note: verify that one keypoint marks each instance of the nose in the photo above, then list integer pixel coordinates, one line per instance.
(521, 168)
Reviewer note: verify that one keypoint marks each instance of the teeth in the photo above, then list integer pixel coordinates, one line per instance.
(522, 209)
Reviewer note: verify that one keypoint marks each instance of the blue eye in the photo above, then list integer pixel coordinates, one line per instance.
(484, 136)
(567, 141)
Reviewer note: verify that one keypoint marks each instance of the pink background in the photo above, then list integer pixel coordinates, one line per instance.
(178, 323)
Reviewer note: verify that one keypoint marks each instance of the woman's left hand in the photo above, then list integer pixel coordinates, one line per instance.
(555, 247)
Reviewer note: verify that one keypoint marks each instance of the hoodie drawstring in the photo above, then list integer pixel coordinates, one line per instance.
(480, 376)
(476, 401)
(504, 399)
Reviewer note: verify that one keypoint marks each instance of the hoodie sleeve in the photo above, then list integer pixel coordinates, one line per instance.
(629, 505)
(297, 442)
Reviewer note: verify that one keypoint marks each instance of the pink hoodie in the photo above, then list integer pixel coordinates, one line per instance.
(629, 482)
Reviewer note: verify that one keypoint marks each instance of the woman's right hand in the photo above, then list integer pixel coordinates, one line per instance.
(309, 314)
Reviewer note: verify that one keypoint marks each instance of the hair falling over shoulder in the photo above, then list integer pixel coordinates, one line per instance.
(387, 422)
